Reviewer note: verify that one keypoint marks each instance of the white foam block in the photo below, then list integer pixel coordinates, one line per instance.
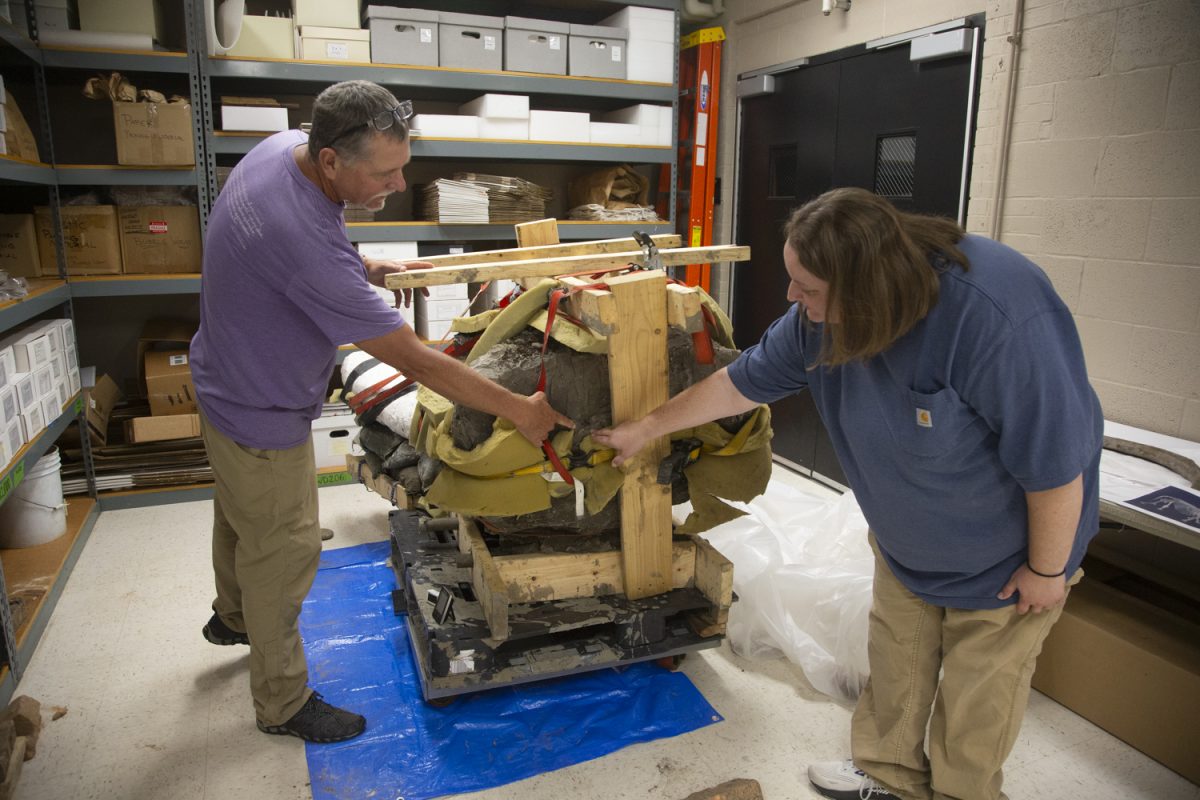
(445, 126)
(559, 126)
(644, 24)
(498, 106)
(651, 61)
(490, 128)
(615, 133)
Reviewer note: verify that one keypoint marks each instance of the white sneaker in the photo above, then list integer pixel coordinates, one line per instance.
(842, 780)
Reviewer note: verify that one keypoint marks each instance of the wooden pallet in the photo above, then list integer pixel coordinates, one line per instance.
(480, 618)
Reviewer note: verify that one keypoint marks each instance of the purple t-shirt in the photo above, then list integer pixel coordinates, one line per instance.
(282, 288)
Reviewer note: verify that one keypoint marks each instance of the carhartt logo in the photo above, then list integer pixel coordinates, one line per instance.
(924, 418)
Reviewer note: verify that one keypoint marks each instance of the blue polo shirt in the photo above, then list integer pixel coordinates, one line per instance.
(941, 435)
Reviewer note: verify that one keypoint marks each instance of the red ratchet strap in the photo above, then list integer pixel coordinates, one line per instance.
(557, 297)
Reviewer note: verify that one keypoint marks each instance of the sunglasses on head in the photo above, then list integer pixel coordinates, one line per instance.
(401, 112)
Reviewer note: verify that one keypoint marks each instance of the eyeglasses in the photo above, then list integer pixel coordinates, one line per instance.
(401, 112)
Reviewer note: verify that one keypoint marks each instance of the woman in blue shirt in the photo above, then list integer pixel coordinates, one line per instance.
(950, 377)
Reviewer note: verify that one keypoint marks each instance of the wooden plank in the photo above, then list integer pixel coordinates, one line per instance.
(562, 576)
(622, 245)
(683, 308)
(594, 307)
(382, 485)
(549, 267)
(637, 369)
(714, 579)
(536, 234)
(485, 579)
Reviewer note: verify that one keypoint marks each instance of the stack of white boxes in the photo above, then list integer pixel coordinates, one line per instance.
(501, 116)
(39, 374)
(651, 45)
(392, 251)
(435, 312)
(656, 123)
(330, 31)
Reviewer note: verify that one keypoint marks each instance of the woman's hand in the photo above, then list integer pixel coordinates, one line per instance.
(1034, 593)
(627, 439)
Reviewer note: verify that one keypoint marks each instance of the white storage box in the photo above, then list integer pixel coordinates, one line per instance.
(535, 45)
(516, 129)
(8, 364)
(335, 44)
(596, 51)
(448, 291)
(254, 118)
(498, 106)
(27, 396)
(326, 13)
(403, 35)
(53, 15)
(432, 330)
(31, 350)
(470, 41)
(142, 17)
(559, 126)
(14, 434)
(43, 381)
(651, 61)
(615, 133)
(10, 407)
(392, 251)
(445, 126)
(442, 310)
(644, 24)
(333, 440)
(265, 37)
(50, 407)
(33, 422)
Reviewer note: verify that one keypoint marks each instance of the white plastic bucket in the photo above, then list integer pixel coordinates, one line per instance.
(35, 512)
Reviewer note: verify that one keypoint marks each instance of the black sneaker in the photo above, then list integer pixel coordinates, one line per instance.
(319, 722)
(218, 632)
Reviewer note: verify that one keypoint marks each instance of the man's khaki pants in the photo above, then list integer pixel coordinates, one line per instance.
(973, 714)
(266, 545)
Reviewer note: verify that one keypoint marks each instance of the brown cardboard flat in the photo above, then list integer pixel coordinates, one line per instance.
(1131, 668)
(93, 243)
(154, 134)
(162, 333)
(169, 382)
(159, 239)
(99, 401)
(19, 246)
(157, 429)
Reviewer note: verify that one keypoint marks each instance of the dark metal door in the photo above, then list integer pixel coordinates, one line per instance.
(858, 117)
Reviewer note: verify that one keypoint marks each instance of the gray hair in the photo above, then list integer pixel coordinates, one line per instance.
(341, 114)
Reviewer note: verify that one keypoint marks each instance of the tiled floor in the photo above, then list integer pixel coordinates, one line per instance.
(154, 711)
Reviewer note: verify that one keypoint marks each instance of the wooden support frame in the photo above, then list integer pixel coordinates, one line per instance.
(662, 241)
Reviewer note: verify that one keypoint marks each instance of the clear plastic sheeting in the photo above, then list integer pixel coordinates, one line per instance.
(359, 658)
(802, 571)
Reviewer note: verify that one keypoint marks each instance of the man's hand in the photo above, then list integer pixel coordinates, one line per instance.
(538, 418)
(627, 439)
(1034, 593)
(377, 271)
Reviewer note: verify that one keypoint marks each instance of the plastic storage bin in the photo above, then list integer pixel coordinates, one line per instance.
(403, 35)
(470, 41)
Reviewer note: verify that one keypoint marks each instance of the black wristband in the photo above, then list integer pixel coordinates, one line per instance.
(1043, 574)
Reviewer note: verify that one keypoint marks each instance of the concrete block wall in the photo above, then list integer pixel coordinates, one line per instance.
(1103, 185)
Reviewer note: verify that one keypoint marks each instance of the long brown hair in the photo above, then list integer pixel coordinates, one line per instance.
(877, 262)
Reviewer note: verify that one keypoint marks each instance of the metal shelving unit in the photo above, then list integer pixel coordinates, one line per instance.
(119, 60)
(44, 295)
(109, 175)
(18, 41)
(129, 285)
(14, 170)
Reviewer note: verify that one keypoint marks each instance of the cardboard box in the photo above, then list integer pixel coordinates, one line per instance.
(1129, 667)
(154, 134)
(329, 13)
(90, 235)
(265, 37)
(597, 51)
(270, 119)
(160, 239)
(470, 41)
(535, 45)
(333, 439)
(403, 35)
(19, 246)
(335, 44)
(169, 382)
(99, 401)
(121, 16)
(162, 334)
(158, 429)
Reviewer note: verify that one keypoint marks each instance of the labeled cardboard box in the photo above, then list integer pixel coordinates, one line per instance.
(158, 429)
(90, 235)
(19, 246)
(154, 134)
(162, 333)
(169, 382)
(1131, 668)
(99, 401)
(159, 239)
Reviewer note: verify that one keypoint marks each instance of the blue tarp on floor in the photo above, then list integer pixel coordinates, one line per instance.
(359, 658)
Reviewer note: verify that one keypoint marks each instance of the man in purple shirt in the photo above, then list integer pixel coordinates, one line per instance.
(283, 288)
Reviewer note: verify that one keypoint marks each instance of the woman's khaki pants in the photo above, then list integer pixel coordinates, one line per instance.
(973, 713)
